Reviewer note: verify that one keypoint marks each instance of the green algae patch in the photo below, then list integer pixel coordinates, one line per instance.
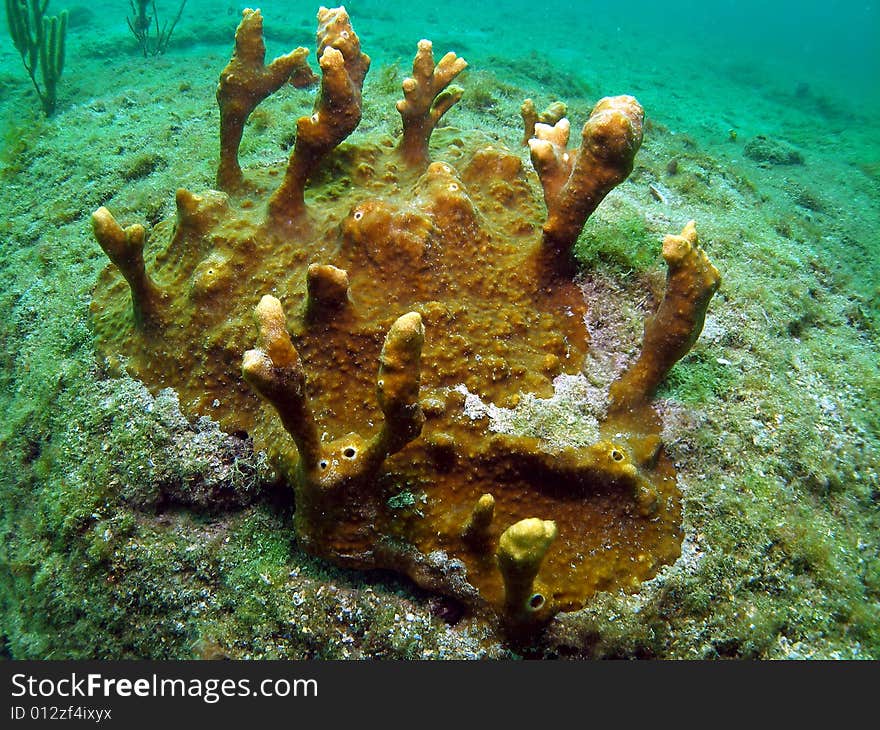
(625, 245)
(701, 378)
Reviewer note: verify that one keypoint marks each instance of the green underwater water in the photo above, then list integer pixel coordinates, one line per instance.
(763, 127)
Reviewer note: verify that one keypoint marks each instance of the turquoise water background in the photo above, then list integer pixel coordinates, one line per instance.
(661, 51)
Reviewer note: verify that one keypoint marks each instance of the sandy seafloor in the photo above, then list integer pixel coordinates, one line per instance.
(772, 419)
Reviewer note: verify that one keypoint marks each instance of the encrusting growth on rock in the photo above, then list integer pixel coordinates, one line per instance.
(125, 248)
(336, 114)
(521, 550)
(576, 181)
(530, 116)
(423, 299)
(244, 83)
(427, 97)
(673, 329)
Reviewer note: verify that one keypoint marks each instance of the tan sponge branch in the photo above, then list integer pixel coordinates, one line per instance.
(576, 181)
(125, 248)
(672, 330)
(427, 96)
(244, 83)
(336, 114)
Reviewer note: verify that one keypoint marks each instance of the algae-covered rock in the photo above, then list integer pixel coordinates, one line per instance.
(772, 151)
